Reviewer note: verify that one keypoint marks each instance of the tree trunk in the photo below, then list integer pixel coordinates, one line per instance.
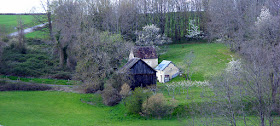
(61, 56)
(50, 26)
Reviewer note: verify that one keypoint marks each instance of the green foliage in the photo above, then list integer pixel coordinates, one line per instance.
(35, 61)
(134, 102)
(157, 106)
(180, 111)
(32, 63)
(110, 96)
(4, 86)
(41, 80)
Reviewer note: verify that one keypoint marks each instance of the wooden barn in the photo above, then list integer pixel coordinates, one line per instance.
(141, 73)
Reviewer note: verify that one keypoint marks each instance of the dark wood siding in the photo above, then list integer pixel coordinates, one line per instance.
(143, 75)
(141, 68)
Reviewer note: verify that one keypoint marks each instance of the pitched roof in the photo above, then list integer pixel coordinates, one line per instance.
(144, 52)
(163, 65)
(128, 65)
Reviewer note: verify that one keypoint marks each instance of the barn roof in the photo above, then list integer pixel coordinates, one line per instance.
(163, 65)
(144, 52)
(130, 64)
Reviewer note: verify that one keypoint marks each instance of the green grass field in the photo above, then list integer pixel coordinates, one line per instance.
(61, 108)
(40, 34)
(210, 58)
(47, 108)
(11, 21)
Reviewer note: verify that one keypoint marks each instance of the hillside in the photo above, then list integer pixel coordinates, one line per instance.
(59, 108)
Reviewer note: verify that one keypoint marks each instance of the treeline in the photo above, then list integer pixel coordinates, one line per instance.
(127, 16)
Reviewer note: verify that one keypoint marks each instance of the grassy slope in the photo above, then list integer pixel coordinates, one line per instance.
(210, 59)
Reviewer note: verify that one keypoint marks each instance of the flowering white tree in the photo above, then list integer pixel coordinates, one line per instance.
(151, 36)
(194, 31)
(264, 17)
(234, 66)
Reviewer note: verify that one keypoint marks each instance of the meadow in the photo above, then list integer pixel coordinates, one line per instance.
(10, 22)
(210, 58)
(60, 108)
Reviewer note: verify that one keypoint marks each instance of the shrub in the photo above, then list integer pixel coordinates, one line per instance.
(125, 90)
(134, 102)
(117, 80)
(4, 86)
(157, 106)
(180, 111)
(110, 96)
(32, 63)
(91, 87)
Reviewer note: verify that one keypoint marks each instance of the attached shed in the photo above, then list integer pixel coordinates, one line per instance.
(141, 73)
(147, 53)
(166, 70)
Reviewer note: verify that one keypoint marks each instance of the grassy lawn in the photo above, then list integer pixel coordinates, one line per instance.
(47, 108)
(60, 108)
(40, 34)
(210, 58)
(11, 21)
(41, 80)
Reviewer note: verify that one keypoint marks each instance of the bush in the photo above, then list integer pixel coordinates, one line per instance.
(91, 87)
(110, 96)
(157, 106)
(125, 90)
(134, 102)
(117, 80)
(4, 86)
(31, 63)
(180, 111)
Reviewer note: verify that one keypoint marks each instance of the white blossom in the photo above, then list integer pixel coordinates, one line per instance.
(234, 66)
(194, 31)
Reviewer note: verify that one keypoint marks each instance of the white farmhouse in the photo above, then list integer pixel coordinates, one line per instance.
(166, 70)
(146, 53)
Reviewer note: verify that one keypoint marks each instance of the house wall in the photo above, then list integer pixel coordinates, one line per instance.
(152, 62)
(160, 76)
(170, 70)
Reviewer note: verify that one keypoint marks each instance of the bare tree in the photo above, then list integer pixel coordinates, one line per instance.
(68, 17)
(21, 38)
(185, 67)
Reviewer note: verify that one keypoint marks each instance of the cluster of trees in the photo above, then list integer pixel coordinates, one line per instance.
(127, 16)
(250, 28)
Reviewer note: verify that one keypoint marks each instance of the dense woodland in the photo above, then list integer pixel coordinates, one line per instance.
(90, 39)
